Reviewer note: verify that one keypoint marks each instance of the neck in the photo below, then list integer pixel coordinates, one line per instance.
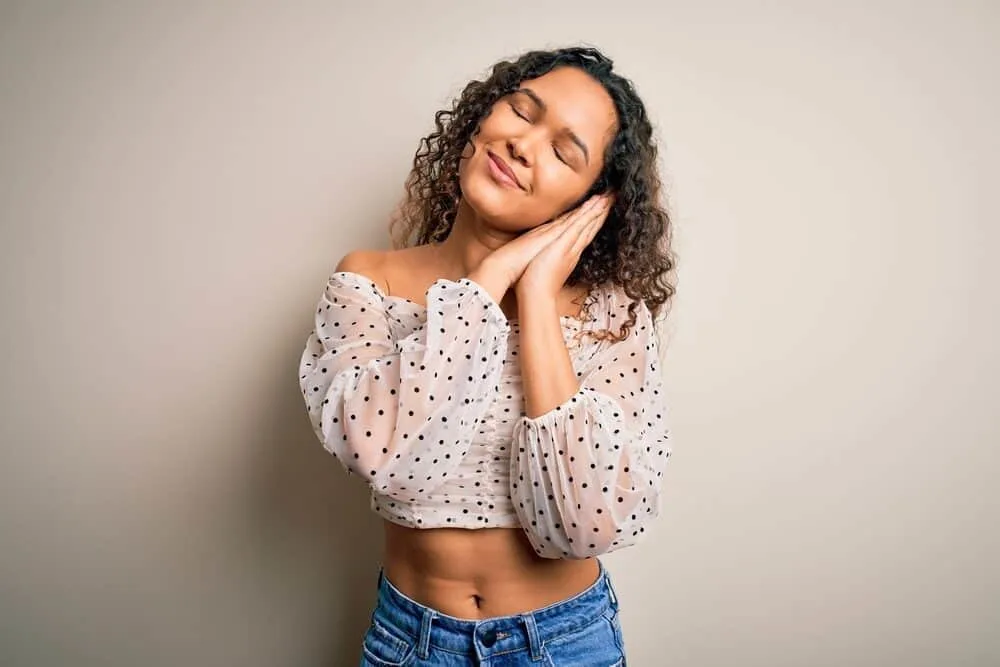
(469, 242)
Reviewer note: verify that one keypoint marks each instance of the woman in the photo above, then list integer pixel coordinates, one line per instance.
(496, 381)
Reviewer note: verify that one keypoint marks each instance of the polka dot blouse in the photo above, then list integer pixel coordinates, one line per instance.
(425, 403)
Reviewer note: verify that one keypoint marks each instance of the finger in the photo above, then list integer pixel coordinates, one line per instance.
(556, 225)
(588, 232)
(601, 210)
(580, 211)
(583, 240)
(598, 213)
(571, 222)
(546, 228)
(566, 228)
(579, 227)
(596, 207)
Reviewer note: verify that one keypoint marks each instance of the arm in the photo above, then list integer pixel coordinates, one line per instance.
(401, 414)
(586, 468)
(547, 371)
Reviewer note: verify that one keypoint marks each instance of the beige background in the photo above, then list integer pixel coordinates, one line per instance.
(177, 181)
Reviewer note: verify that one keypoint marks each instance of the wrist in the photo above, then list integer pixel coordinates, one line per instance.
(532, 305)
(527, 289)
(492, 279)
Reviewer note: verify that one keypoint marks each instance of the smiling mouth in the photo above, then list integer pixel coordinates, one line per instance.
(498, 163)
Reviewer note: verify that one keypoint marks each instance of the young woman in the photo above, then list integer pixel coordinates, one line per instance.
(495, 379)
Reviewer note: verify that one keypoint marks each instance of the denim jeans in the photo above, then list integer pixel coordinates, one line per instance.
(581, 631)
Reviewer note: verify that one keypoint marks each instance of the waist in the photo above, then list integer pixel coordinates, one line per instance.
(499, 633)
(482, 573)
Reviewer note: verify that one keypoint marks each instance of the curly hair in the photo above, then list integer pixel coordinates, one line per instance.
(632, 249)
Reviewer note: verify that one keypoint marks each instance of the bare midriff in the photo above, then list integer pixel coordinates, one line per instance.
(473, 573)
(477, 574)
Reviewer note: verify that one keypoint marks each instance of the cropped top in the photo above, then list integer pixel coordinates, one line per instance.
(425, 403)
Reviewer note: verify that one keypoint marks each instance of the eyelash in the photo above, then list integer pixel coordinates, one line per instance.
(517, 112)
(525, 118)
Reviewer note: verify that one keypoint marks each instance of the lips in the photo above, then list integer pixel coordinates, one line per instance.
(504, 167)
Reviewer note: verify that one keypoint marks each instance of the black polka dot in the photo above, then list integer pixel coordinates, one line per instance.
(372, 383)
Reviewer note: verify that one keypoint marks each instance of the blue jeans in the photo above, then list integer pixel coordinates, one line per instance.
(582, 631)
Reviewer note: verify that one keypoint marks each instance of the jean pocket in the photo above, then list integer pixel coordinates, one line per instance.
(594, 645)
(383, 647)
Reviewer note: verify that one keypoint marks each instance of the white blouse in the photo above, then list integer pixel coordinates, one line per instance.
(426, 404)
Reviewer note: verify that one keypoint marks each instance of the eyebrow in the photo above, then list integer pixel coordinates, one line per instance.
(572, 135)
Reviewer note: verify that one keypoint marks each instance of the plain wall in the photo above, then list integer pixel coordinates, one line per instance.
(177, 180)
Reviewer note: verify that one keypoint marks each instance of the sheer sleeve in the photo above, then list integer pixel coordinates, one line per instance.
(401, 414)
(585, 476)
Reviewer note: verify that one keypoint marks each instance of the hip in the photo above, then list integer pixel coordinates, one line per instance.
(580, 630)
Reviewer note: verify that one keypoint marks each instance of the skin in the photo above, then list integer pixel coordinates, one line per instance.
(520, 244)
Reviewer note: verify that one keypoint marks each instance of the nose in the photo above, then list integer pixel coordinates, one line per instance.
(516, 151)
(521, 148)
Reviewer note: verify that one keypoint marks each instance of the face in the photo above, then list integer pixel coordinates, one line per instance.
(538, 150)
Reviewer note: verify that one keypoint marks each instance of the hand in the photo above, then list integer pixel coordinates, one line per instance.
(549, 268)
(511, 259)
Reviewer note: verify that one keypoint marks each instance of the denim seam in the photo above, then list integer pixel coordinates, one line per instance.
(396, 631)
(374, 659)
(408, 648)
(578, 628)
(616, 633)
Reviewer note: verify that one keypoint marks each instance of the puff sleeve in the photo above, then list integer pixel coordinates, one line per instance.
(401, 414)
(585, 476)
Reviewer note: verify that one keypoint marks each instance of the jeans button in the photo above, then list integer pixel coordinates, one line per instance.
(489, 638)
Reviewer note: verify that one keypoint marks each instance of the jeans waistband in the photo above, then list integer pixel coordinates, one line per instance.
(497, 634)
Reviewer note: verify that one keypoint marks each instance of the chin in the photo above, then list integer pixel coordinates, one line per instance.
(491, 202)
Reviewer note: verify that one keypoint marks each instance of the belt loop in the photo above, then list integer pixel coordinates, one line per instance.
(424, 643)
(380, 596)
(611, 587)
(534, 643)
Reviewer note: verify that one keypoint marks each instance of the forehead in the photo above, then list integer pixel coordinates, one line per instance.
(578, 102)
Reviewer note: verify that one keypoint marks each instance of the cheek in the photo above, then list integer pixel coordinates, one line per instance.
(557, 188)
(491, 127)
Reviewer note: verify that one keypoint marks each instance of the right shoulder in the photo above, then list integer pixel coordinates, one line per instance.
(367, 263)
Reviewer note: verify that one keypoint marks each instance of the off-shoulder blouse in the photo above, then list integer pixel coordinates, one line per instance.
(425, 403)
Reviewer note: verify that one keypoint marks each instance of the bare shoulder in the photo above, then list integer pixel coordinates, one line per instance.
(408, 271)
(368, 263)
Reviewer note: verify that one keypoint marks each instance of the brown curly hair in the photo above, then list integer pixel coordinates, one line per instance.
(633, 247)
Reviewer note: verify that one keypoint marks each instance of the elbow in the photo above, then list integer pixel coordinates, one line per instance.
(604, 541)
(618, 522)
(574, 538)
(368, 458)
(357, 461)
(590, 539)
(380, 470)
(390, 480)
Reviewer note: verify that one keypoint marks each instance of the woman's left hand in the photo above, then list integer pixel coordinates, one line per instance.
(546, 274)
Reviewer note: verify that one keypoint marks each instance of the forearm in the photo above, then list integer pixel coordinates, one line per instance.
(547, 373)
(491, 279)
(380, 404)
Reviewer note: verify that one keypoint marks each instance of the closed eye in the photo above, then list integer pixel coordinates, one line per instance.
(518, 112)
(555, 148)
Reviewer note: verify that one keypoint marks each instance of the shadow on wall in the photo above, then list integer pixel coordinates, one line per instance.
(316, 518)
